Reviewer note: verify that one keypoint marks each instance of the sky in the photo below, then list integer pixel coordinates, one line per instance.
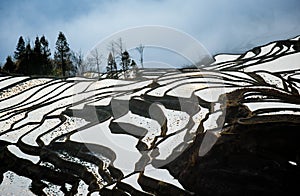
(221, 26)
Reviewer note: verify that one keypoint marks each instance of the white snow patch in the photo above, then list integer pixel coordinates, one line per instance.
(14, 184)
(271, 79)
(225, 57)
(132, 180)
(16, 151)
(249, 54)
(266, 105)
(123, 145)
(251, 62)
(172, 146)
(235, 74)
(13, 136)
(211, 122)
(109, 83)
(161, 174)
(11, 80)
(30, 138)
(186, 90)
(266, 49)
(21, 87)
(69, 125)
(285, 63)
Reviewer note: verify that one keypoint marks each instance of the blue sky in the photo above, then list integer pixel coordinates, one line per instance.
(222, 26)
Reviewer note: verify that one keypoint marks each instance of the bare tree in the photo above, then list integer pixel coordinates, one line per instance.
(122, 55)
(112, 50)
(120, 46)
(140, 49)
(95, 59)
(116, 49)
(77, 59)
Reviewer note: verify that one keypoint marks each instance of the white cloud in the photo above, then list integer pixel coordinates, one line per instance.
(222, 26)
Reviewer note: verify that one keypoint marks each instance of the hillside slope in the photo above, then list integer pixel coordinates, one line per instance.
(231, 128)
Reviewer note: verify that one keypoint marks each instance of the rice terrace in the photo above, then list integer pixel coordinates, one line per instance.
(223, 128)
(149, 98)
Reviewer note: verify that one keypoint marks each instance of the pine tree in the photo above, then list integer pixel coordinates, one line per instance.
(33, 61)
(36, 61)
(47, 67)
(110, 60)
(125, 62)
(133, 65)
(20, 50)
(134, 68)
(62, 55)
(111, 66)
(37, 46)
(114, 49)
(23, 56)
(24, 63)
(9, 66)
(45, 47)
(28, 59)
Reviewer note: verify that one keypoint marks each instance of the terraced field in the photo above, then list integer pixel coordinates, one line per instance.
(229, 128)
